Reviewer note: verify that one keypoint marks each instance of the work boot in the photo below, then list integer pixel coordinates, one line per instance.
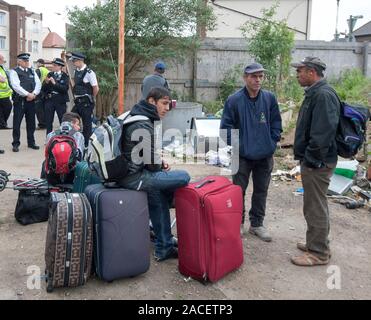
(262, 233)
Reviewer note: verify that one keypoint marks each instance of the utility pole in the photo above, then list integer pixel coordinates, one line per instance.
(121, 83)
(337, 35)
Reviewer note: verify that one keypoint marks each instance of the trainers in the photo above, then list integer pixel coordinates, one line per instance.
(172, 255)
(262, 233)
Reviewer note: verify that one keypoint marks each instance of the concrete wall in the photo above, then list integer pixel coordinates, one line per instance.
(232, 14)
(217, 56)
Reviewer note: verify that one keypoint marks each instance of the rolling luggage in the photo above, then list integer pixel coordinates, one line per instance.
(84, 177)
(121, 234)
(209, 215)
(69, 242)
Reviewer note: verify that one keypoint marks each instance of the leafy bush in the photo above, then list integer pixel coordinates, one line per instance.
(352, 86)
(230, 82)
(212, 107)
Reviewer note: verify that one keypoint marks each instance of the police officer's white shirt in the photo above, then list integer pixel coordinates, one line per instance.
(90, 77)
(16, 83)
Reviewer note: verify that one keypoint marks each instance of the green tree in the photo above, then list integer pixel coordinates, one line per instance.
(154, 29)
(270, 42)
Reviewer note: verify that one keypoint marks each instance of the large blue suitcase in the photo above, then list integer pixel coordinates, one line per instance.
(121, 232)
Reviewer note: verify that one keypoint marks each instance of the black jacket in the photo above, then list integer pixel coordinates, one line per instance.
(59, 91)
(145, 146)
(316, 128)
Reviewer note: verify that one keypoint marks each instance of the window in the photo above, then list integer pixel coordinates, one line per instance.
(29, 46)
(35, 46)
(35, 26)
(2, 42)
(2, 18)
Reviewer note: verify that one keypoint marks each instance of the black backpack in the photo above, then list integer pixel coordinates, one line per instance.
(351, 133)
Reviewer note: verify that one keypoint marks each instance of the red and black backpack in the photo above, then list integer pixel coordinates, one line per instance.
(61, 155)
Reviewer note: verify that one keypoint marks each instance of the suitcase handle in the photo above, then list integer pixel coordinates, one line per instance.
(204, 184)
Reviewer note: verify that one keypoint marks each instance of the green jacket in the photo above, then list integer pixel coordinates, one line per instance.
(316, 128)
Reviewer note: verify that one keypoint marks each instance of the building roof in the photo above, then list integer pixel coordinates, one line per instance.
(365, 30)
(54, 40)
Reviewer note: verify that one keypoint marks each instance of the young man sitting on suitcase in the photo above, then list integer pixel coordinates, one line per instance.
(148, 172)
(69, 130)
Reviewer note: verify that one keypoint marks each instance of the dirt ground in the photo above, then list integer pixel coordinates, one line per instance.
(266, 274)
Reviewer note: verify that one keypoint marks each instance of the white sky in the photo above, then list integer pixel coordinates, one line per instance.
(323, 14)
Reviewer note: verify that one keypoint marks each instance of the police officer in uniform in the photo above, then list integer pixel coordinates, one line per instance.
(26, 85)
(5, 94)
(85, 91)
(55, 90)
(42, 73)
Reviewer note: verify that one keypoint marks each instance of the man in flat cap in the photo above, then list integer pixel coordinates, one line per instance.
(154, 80)
(315, 148)
(26, 85)
(255, 113)
(85, 91)
(55, 89)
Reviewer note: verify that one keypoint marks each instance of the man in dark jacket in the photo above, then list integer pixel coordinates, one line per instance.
(148, 172)
(55, 89)
(315, 148)
(255, 113)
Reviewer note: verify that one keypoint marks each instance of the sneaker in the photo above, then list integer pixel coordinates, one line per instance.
(172, 255)
(262, 233)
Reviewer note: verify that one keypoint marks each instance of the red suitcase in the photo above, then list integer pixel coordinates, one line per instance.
(209, 215)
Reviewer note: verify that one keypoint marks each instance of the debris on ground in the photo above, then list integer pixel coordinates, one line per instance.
(282, 175)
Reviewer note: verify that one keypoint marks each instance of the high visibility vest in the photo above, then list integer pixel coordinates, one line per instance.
(5, 90)
(44, 73)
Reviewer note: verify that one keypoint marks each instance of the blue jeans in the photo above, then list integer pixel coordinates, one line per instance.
(160, 187)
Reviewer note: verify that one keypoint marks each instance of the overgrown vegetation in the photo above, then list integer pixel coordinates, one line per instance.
(352, 86)
(270, 43)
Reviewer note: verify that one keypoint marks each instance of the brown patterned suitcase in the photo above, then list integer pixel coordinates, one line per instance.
(69, 241)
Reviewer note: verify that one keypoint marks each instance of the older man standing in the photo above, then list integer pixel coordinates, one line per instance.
(156, 79)
(5, 94)
(315, 147)
(27, 86)
(255, 113)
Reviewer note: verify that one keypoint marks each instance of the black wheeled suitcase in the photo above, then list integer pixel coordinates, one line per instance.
(121, 232)
(69, 241)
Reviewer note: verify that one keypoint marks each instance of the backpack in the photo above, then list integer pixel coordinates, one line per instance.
(351, 132)
(105, 156)
(61, 155)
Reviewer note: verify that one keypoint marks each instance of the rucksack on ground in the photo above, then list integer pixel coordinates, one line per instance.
(351, 133)
(105, 156)
(61, 156)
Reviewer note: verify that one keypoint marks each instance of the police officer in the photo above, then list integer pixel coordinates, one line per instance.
(26, 85)
(85, 91)
(42, 73)
(55, 90)
(5, 94)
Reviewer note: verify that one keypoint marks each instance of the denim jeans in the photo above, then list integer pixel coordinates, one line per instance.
(160, 187)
